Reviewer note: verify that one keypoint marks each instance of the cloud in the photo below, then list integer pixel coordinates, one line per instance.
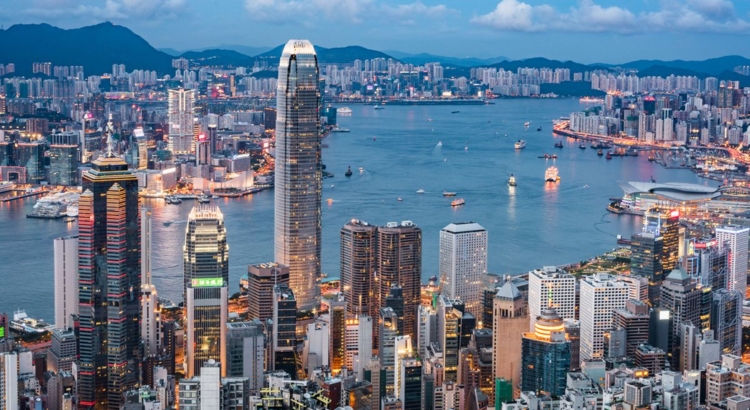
(346, 11)
(110, 10)
(717, 16)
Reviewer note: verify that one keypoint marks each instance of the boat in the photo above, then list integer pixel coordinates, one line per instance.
(399, 199)
(526, 124)
(520, 144)
(203, 199)
(548, 156)
(440, 144)
(172, 200)
(447, 193)
(6, 186)
(55, 205)
(539, 129)
(361, 170)
(329, 201)
(582, 146)
(70, 219)
(609, 155)
(651, 158)
(600, 152)
(559, 144)
(344, 111)
(550, 175)
(512, 180)
(379, 107)
(168, 223)
(348, 172)
(455, 112)
(215, 197)
(374, 139)
(23, 324)
(420, 191)
(338, 129)
(457, 202)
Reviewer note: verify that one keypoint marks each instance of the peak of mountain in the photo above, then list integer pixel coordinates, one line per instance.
(95, 48)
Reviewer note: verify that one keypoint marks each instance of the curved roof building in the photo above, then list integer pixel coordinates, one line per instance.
(671, 191)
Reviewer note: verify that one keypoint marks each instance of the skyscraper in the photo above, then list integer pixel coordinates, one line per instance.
(601, 294)
(66, 280)
(726, 320)
(298, 180)
(545, 356)
(181, 112)
(665, 223)
(8, 381)
(261, 280)
(734, 239)
(109, 283)
(206, 271)
(510, 320)
(246, 352)
(358, 266)
(284, 342)
(647, 252)
(463, 261)
(150, 315)
(388, 331)
(551, 286)
(400, 263)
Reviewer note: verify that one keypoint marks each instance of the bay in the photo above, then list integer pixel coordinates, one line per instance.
(535, 224)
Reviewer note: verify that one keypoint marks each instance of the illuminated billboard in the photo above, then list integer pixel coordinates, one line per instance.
(207, 283)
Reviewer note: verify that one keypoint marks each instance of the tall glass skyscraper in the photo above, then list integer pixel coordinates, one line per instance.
(109, 283)
(206, 267)
(181, 112)
(298, 183)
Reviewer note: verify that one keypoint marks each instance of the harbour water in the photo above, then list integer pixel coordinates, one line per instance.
(398, 149)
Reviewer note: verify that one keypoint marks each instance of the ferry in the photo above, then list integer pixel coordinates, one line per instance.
(348, 172)
(23, 324)
(457, 202)
(548, 156)
(344, 111)
(447, 193)
(520, 144)
(551, 175)
(338, 129)
(512, 180)
(55, 205)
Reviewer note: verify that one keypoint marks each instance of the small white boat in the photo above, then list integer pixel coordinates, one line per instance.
(215, 197)
(420, 191)
(399, 199)
(440, 143)
(346, 111)
(361, 170)
(448, 193)
(520, 144)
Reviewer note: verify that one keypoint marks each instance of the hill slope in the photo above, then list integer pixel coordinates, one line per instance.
(95, 48)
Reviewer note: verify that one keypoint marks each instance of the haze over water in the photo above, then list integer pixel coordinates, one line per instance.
(534, 225)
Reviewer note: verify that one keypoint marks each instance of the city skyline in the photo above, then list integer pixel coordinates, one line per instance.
(489, 28)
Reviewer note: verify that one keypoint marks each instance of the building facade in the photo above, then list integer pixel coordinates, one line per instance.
(463, 262)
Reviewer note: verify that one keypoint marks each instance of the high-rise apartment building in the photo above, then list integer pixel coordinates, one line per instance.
(206, 271)
(181, 113)
(647, 252)
(463, 262)
(298, 178)
(261, 280)
(9, 381)
(109, 283)
(358, 266)
(551, 286)
(545, 356)
(66, 280)
(601, 294)
(399, 262)
(734, 239)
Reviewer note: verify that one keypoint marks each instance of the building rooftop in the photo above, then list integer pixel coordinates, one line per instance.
(675, 191)
(464, 227)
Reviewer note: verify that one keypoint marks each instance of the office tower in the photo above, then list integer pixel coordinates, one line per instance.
(404, 350)
(651, 358)
(246, 352)
(410, 385)
(150, 312)
(181, 112)
(400, 263)
(734, 239)
(682, 298)
(615, 343)
(62, 351)
(66, 280)
(726, 320)
(337, 336)
(387, 333)
(665, 223)
(109, 283)
(689, 337)
(427, 329)
(551, 286)
(449, 334)
(463, 262)
(647, 249)
(573, 334)
(63, 160)
(601, 294)
(395, 301)
(316, 350)
(212, 391)
(206, 278)
(8, 381)
(358, 266)
(634, 318)
(30, 155)
(545, 356)
(261, 280)
(510, 321)
(284, 341)
(475, 362)
(298, 178)
(366, 327)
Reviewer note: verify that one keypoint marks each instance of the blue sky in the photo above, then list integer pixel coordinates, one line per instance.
(582, 30)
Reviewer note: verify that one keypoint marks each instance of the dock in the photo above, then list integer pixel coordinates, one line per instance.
(24, 195)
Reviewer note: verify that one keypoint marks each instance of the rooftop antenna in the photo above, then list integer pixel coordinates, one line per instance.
(110, 139)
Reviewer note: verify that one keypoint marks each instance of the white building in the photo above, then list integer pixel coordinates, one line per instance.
(150, 316)
(66, 280)
(551, 286)
(181, 112)
(463, 262)
(735, 238)
(601, 294)
(8, 381)
(363, 343)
